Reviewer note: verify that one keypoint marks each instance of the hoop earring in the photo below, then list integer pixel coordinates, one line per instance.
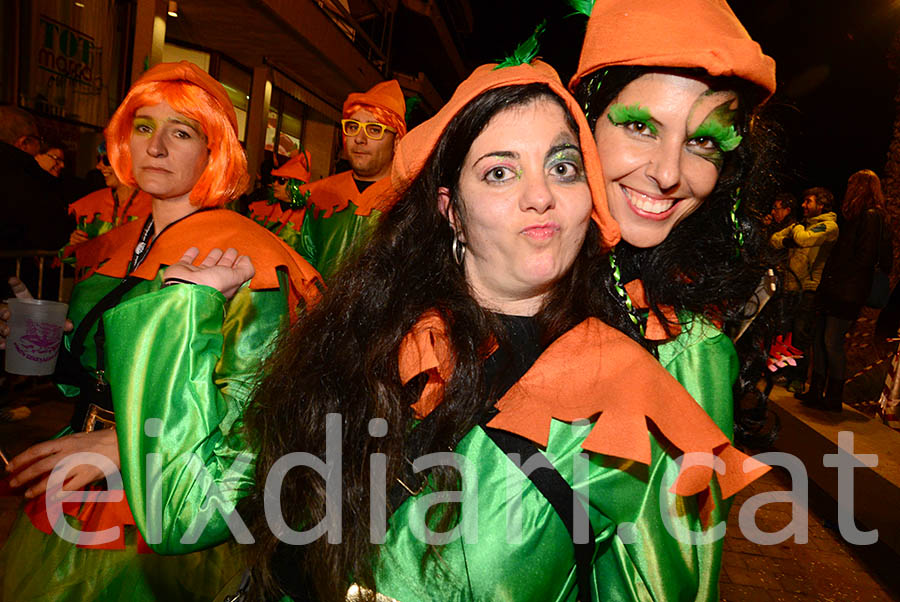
(458, 249)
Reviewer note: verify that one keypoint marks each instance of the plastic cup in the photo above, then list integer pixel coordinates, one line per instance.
(35, 333)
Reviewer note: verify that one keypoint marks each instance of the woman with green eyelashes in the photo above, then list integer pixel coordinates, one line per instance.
(672, 93)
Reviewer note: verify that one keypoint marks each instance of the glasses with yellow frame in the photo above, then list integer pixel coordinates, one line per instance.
(372, 129)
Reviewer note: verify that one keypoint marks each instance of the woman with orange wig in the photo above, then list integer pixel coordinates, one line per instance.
(160, 363)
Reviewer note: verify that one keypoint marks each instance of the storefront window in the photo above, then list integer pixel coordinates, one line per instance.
(172, 53)
(237, 83)
(71, 59)
(285, 124)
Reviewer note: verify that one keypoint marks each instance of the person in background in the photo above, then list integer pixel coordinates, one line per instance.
(785, 212)
(284, 210)
(346, 206)
(32, 213)
(808, 244)
(52, 160)
(105, 209)
(863, 243)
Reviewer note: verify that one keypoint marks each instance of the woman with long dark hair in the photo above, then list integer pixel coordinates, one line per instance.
(672, 92)
(468, 329)
(863, 244)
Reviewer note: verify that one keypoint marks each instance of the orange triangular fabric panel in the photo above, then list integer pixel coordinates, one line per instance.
(273, 213)
(636, 391)
(94, 516)
(111, 253)
(654, 331)
(335, 194)
(426, 349)
(594, 370)
(100, 203)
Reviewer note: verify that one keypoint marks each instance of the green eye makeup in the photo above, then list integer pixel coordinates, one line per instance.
(144, 125)
(719, 126)
(620, 114)
(568, 153)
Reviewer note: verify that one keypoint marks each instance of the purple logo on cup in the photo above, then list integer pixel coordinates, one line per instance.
(41, 341)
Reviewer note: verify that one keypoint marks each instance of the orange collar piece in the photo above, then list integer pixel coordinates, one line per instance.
(94, 516)
(335, 194)
(100, 204)
(111, 253)
(273, 213)
(655, 330)
(426, 349)
(637, 395)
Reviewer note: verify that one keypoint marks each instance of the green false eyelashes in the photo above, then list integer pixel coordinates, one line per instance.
(725, 137)
(620, 114)
(719, 126)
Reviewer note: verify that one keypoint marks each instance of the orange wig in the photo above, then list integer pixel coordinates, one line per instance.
(225, 176)
(382, 115)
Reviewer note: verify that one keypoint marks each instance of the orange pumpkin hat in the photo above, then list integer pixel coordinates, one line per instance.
(386, 96)
(296, 168)
(664, 33)
(417, 146)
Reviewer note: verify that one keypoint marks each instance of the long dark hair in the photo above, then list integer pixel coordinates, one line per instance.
(699, 267)
(342, 358)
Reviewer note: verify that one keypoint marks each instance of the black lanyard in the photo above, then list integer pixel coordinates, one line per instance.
(142, 248)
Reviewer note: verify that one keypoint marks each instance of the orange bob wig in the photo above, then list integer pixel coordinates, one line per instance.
(388, 118)
(225, 176)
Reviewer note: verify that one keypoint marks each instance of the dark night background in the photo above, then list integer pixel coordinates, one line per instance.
(835, 96)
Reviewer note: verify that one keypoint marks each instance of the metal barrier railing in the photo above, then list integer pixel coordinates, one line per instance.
(43, 269)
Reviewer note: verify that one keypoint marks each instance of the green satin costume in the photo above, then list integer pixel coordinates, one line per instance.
(636, 559)
(285, 232)
(643, 562)
(186, 356)
(326, 241)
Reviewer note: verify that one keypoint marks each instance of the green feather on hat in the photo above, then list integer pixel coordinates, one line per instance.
(525, 52)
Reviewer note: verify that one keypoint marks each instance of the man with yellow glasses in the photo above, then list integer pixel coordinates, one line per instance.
(346, 206)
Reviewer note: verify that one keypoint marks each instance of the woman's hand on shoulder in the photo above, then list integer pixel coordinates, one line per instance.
(224, 271)
(33, 466)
